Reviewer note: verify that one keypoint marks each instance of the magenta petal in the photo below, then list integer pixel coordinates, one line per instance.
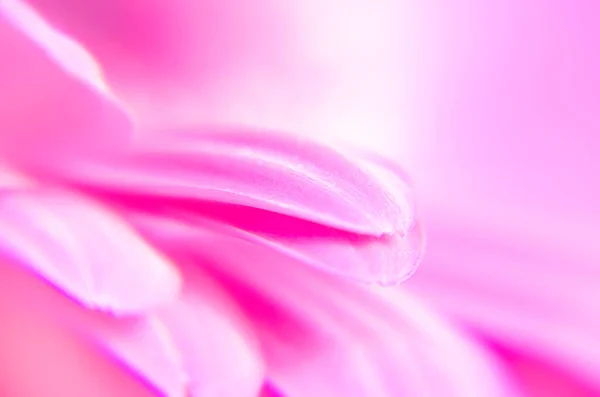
(84, 250)
(540, 379)
(53, 104)
(275, 172)
(323, 336)
(384, 260)
(220, 356)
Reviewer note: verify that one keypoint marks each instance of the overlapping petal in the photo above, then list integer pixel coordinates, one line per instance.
(52, 345)
(325, 336)
(220, 354)
(84, 250)
(142, 345)
(188, 343)
(295, 196)
(275, 172)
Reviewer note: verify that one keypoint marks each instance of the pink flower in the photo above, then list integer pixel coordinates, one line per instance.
(204, 261)
(500, 105)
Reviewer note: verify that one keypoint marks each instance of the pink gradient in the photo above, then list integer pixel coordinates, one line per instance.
(64, 100)
(492, 107)
(269, 64)
(507, 182)
(205, 261)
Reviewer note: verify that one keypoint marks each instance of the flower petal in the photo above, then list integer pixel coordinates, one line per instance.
(181, 40)
(384, 260)
(53, 105)
(52, 346)
(543, 380)
(84, 250)
(145, 348)
(275, 172)
(220, 355)
(266, 63)
(515, 292)
(324, 336)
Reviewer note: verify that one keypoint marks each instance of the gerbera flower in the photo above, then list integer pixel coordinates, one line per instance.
(495, 105)
(206, 261)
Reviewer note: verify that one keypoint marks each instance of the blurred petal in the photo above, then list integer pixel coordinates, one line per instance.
(275, 172)
(180, 40)
(269, 390)
(528, 297)
(145, 348)
(41, 354)
(53, 105)
(295, 66)
(11, 179)
(220, 355)
(83, 250)
(543, 380)
(323, 336)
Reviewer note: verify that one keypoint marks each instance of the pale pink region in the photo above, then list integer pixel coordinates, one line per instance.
(52, 108)
(12, 179)
(527, 296)
(42, 354)
(324, 336)
(510, 130)
(85, 250)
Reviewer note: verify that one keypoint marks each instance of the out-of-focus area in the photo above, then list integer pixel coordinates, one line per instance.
(491, 108)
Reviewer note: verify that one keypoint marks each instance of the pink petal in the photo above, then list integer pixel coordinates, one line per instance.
(543, 380)
(180, 40)
(220, 355)
(145, 348)
(52, 346)
(526, 296)
(84, 250)
(53, 105)
(323, 336)
(279, 65)
(275, 172)
(385, 260)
